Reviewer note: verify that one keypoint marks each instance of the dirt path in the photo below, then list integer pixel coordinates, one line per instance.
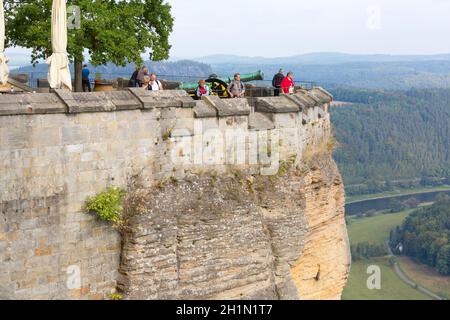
(408, 281)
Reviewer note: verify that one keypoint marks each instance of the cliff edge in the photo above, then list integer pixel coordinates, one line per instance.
(239, 236)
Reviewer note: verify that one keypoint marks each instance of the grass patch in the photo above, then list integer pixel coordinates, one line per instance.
(426, 277)
(375, 229)
(392, 288)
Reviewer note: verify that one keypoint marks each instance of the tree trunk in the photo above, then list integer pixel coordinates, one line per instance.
(78, 68)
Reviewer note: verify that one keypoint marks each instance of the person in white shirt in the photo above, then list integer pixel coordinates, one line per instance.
(155, 84)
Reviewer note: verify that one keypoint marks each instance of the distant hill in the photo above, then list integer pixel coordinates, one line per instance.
(319, 58)
(376, 71)
(391, 72)
(375, 75)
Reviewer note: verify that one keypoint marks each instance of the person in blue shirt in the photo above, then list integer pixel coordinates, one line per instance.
(85, 79)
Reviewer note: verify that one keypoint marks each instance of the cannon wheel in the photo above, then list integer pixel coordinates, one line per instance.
(218, 87)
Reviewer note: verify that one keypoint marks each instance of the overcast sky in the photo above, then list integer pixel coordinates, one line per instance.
(288, 27)
(274, 28)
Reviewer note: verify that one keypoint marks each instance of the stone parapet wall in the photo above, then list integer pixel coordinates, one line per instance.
(59, 148)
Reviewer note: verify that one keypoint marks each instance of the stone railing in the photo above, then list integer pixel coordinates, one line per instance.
(63, 101)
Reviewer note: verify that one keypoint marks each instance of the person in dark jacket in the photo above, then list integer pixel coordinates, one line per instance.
(133, 81)
(141, 74)
(276, 82)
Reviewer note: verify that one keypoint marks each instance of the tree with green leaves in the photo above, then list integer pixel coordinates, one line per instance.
(443, 260)
(425, 235)
(116, 31)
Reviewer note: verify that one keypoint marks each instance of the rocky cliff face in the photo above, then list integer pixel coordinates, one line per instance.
(239, 236)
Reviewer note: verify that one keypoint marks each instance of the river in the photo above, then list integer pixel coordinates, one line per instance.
(379, 204)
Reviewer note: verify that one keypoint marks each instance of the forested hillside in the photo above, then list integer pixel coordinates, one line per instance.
(392, 138)
(425, 236)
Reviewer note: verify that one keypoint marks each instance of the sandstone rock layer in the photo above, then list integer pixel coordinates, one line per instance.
(239, 237)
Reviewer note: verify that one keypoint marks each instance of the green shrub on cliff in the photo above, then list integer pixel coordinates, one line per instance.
(107, 204)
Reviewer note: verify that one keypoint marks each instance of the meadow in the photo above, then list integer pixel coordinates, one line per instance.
(376, 230)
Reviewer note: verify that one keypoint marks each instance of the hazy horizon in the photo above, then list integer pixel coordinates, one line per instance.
(314, 53)
(24, 56)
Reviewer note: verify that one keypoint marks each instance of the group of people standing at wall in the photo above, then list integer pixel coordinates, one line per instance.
(144, 79)
(283, 84)
(140, 78)
(236, 89)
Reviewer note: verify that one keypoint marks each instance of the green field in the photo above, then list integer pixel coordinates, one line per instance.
(392, 288)
(399, 192)
(376, 230)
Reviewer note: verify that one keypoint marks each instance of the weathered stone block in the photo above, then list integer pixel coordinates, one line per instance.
(285, 120)
(74, 148)
(233, 123)
(304, 99)
(275, 105)
(30, 104)
(321, 95)
(73, 135)
(123, 100)
(228, 107)
(92, 102)
(258, 121)
(162, 99)
(46, 137)
(204, 110)
(15, 138)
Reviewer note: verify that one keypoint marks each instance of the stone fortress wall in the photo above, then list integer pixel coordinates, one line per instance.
(57, 149)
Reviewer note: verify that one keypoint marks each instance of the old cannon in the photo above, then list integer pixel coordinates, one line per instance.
(219, 85)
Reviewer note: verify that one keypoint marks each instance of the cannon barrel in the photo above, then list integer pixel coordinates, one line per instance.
(247, 77)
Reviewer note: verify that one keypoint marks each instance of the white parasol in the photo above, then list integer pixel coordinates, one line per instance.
(58, 70)
(4, 70)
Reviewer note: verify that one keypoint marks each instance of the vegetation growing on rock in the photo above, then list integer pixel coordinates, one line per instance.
(107, 205)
